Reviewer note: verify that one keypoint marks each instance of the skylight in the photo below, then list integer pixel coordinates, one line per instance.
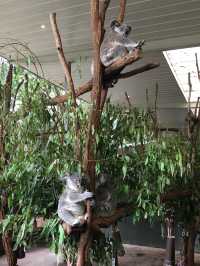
(182, 62)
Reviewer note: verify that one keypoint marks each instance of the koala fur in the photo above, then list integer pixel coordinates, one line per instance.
(71, 205)
(117, 44)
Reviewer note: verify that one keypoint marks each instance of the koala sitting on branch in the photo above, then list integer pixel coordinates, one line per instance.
(117, 44)
(71, 205)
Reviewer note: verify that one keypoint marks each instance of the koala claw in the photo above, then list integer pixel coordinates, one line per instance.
(140, 44)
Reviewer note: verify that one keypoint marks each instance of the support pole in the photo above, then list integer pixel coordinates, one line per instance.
(170, 245)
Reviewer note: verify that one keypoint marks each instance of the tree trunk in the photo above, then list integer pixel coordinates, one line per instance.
(85, 240)
(191, 247)
(7, 244)
(82, 249)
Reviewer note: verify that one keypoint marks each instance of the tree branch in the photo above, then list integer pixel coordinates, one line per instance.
(197, 66)
(7, 89)
(103, 8)
(128, 100)
(17, 90)
(121, 15)
(120, 212)
(138, 70)
(121, 63)
(96, 43)
(109, 71)
(61, 55)
(127, 209)
(107, 78)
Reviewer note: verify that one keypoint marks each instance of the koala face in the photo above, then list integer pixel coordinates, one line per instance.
(122, 29)
(73, 182)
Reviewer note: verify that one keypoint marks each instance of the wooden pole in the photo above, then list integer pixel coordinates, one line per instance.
(170, 246)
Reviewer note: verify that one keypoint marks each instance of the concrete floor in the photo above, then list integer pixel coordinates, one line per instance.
(135, 255)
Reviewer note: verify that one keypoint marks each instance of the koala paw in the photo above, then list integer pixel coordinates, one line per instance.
(86, 216)
(82, 220)
(88, 194)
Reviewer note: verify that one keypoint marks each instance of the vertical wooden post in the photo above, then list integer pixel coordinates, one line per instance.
(184, 248)
(191, 246)
(188, 250)
(170, 245)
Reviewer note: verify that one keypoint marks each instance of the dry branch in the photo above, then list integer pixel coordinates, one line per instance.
(119, 213)
(126, 60)
(138, 70)
(108, 76)
(197, 66)
(103, 8)
(128, 100)
(61, 55)
(121, 15)
(17, 90)
(7, 89)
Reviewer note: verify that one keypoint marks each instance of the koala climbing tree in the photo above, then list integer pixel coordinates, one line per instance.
(71, 206)
(107, 67)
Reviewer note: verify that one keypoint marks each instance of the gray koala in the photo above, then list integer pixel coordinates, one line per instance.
(71, 205)
(117, 44)
(105, 200)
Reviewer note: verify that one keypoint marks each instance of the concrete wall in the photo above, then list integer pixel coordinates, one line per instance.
(142, 234)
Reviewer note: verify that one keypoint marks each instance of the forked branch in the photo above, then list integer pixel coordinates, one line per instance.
(107, 78)
(61, 55)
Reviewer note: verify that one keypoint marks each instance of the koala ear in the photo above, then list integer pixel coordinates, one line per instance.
(128, 30)
(114, 23)
(65, 177)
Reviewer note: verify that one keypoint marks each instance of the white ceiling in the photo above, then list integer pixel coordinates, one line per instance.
(164, 24)
(156, 21)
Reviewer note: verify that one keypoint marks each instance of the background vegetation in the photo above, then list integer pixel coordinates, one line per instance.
(38, 146)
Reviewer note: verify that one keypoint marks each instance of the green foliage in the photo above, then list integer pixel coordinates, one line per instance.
(40, 147)
(142, 164)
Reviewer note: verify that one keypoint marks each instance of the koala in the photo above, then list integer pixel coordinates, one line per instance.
(71, 205)
(71, 208)
(104, 197)
(117, 44)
